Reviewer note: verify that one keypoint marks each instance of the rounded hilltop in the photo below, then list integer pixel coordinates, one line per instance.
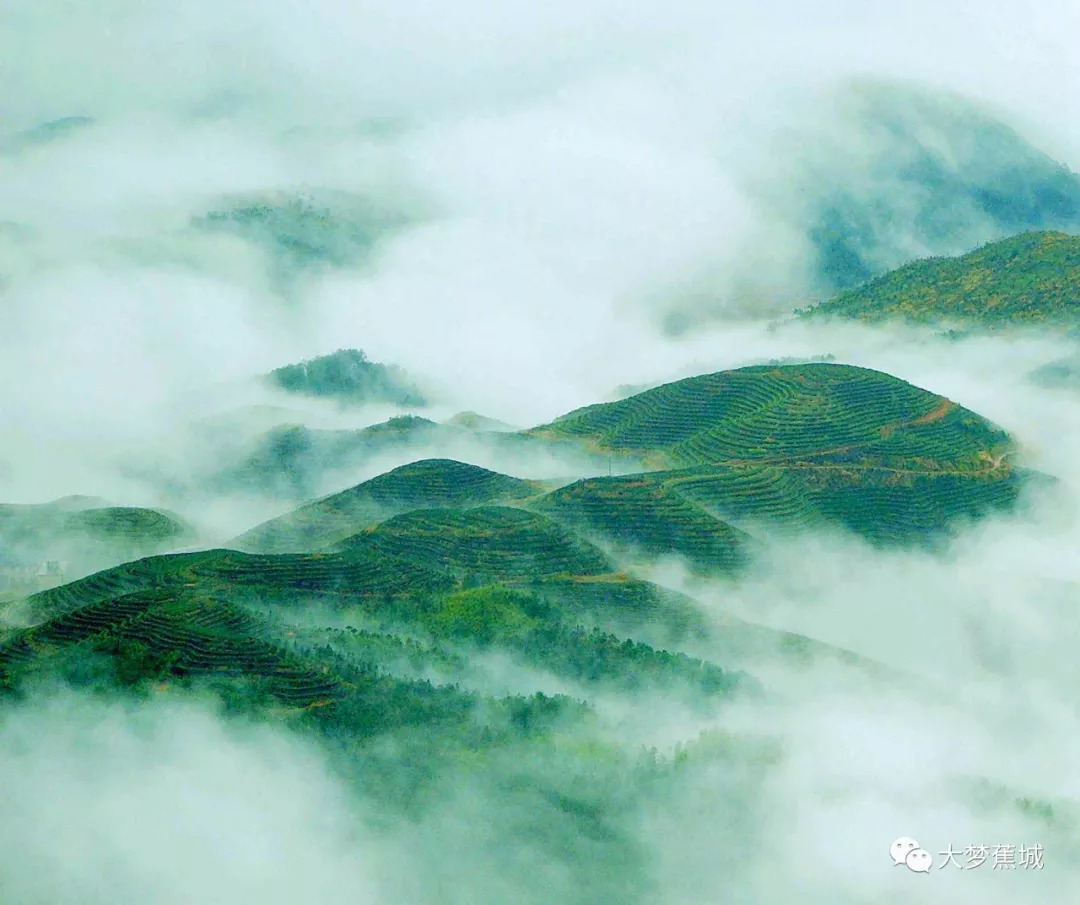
(810, 411)
(424, 484)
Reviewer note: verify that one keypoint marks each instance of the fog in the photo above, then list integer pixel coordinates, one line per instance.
(530, 206)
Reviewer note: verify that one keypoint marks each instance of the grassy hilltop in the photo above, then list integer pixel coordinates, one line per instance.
(1032, 278)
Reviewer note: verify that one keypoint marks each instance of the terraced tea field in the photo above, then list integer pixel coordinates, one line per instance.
(209, 617)
(188, 635)
(795, 413)
(425, 484)
(880, 504)
(443, 552)
(492, 542)
(647, 514)
(358, 575)
(788, 446)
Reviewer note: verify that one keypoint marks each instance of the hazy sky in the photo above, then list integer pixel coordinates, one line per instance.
(582, 167)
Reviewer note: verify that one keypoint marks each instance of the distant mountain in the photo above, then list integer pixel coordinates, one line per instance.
(1032, 278)
(299, 232)
(80, 535)
(870, 175)
(474, 421)
(291, 460)
(44, 133)
(905, 172)
(349, 376)
(84, 519)
(1061, 374)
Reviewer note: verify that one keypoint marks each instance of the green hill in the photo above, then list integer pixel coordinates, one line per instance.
(245, 625)
(799, 444)
(810, 413)
(285, 579)
(1064, 373)
(882, 503)
(476, 421)
(369, 576)
(126, 524)
(426, 484)
(1032, 278)
(779, 445)
(290, 459)
(76, 517)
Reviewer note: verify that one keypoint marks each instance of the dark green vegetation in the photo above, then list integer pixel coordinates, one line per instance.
(1032, 278)
(348, 376)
